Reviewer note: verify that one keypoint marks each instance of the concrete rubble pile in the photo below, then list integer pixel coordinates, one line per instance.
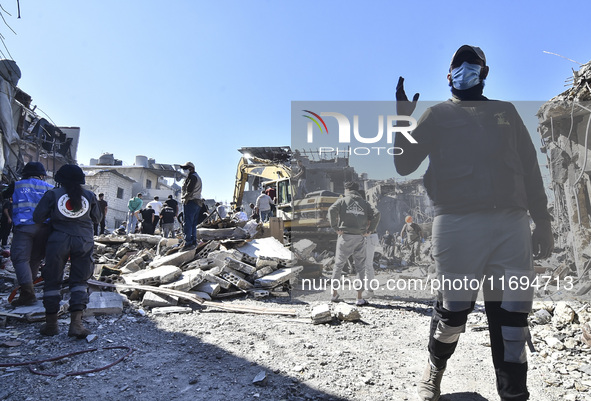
(564, 128)
(214, 270)
(150, 272)
(561, 335)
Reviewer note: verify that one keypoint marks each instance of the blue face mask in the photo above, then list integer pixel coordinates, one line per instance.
(465, 76)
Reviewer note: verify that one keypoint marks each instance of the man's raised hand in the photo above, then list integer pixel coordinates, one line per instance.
(404, 107)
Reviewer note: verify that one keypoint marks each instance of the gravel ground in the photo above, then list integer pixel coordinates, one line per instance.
(212, 355)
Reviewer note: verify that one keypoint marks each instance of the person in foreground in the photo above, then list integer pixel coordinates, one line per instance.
(483, 178)
(73, 211)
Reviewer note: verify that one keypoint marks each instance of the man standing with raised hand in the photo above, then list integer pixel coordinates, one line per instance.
(483, 178)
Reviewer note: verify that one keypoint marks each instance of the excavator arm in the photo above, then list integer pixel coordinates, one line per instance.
(258, 168)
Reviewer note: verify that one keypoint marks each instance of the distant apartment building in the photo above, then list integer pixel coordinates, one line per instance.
(120, 182)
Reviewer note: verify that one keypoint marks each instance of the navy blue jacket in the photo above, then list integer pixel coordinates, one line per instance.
(481, 157)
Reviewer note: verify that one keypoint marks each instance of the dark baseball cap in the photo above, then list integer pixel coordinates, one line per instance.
(477, 51)
(353, 186)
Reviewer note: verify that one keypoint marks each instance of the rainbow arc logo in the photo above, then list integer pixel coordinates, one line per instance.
(316, 121)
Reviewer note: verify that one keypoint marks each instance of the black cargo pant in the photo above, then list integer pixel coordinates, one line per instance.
(495, 245)
(60, 247)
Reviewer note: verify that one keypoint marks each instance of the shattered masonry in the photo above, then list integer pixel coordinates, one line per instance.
(564, 123)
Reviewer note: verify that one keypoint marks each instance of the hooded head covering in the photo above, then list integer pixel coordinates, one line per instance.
(70, 174)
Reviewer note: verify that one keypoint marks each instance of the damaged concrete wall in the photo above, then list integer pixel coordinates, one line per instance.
(564, 124)
(395, 201)
(117, 189)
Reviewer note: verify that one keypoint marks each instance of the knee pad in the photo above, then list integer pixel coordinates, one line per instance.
(448, 334)
(514, 339)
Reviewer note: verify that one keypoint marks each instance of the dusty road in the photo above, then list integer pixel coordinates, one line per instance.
(211, 355)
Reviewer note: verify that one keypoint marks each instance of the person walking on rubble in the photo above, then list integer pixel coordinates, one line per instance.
(300, 179)
(170, 201)
(134, 206)
(6, 221)
(167, 216)
(192, 204)
(353, 218)
(148, 220)
(72, 211)
(264, 206)
(103, 207)
(29, 238)
(156, 206)
(414, 236)
(388, 244)
(483, 177)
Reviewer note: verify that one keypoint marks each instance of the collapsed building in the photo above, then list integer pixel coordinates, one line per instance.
(396, 200)
(26, 136)
(564, 123)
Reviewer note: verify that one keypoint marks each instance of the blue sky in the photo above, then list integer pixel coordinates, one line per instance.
(196, 80)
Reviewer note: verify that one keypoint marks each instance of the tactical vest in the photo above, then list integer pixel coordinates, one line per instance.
(25, 198)
(475, 162)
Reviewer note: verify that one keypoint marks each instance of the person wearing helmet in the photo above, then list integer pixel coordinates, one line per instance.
(483, 179)
(72, 211)
(29, 238)
(414, 234)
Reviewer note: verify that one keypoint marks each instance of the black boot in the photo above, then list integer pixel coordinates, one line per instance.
(26, 297)
(77, 329)
(50, 328)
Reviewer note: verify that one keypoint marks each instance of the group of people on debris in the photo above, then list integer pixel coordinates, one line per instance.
(411, 237)
(155, 214)
(164, 214)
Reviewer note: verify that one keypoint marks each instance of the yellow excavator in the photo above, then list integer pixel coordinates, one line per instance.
(263, 167)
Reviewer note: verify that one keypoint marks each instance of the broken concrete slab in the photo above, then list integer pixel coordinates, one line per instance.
(278, 277)
(209, 288)
(218, 258)
(160, 275)
(36, 308)
(240, 266)
(165, 310)
(202, 295)
(263, 272)
(104, 303)
(176, 259)
(156, 300)
(346, 312)
(268, 247)
(187, 280)
(207, 234)
(147, 238)
(304, 248)
(235, 278)
(258, 293)
(265, 262)
(321, 314)
(212, 278)
(111, 239)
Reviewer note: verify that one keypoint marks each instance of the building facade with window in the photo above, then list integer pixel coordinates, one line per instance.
(120, 182)
(118, 189)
